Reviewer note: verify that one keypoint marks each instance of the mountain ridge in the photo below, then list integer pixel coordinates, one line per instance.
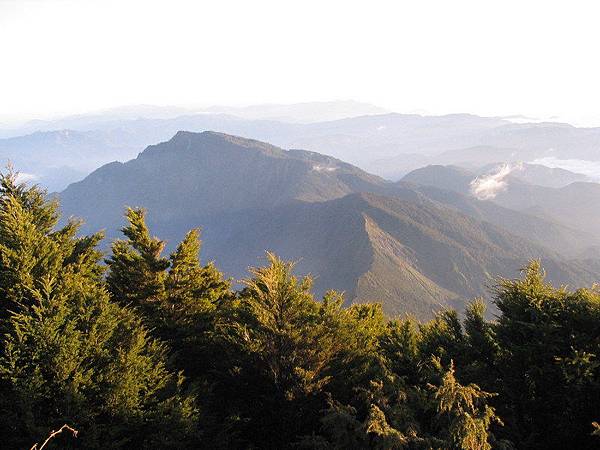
(355, 231)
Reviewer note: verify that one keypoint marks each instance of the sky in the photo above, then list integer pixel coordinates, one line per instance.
(495, 58)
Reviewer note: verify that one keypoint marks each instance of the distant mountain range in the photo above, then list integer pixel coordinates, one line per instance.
(294, 113)
(413, 246)
(57, 158)
(308, 112)
(458, 179)
(562, 199)
(387, 144)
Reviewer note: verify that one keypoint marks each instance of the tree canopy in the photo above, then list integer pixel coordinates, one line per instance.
(138, 349)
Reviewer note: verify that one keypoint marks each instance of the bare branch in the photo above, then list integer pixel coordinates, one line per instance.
(54, 434)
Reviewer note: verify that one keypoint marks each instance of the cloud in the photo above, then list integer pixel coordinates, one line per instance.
(486, 187)
(318, 168)
(591, 169)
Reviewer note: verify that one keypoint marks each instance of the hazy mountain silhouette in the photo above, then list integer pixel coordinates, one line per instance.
(570, 213)
(389, 145)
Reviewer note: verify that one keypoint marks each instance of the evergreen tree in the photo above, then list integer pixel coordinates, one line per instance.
(464, 414)
(192, 291)
(175, 296)
(117, 357)
(190, 285)
(192, 294)
(278, 344)
(137, 269)
(549, 342)
(68, 354)
(394, 414)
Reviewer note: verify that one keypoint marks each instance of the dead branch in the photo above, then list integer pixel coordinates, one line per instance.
(54, 434)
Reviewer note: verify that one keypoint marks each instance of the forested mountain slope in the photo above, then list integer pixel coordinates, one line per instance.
(411, 249)
(571, 210)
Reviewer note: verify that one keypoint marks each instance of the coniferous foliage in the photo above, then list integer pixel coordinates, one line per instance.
(137, 268)
(549, 343)
(155, 351)
(281, 345)
(176, 296)
(70, 354)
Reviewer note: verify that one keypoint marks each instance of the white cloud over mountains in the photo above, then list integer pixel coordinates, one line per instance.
(591, 169)
(486, 187)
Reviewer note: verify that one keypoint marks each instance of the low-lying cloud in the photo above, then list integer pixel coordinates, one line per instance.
(591, 169)
(318, 168)
(486, 187)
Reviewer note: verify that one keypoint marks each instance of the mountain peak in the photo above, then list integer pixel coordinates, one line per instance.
(202, 169)
(191, 134)
(205, 139)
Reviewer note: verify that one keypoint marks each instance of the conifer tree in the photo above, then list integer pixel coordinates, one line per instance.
(281, 343)
(549, 342)
(192, 294)
(464, 414)
(176, 296)
(68, 354)
(137, 268)
(192, 289)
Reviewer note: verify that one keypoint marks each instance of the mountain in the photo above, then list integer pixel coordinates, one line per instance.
(94, 120)
(361, 139)
(479, 156)
(398, 166)
(365, 141)
(300, 112)
(451, 178)
(124, 116)
(566, 218)
(57, 158)
(484, 159)
(373, 239)
(388, 144)
(196, 175)
(538, 174)
(576, 205)
(569, 242)
(413, 256)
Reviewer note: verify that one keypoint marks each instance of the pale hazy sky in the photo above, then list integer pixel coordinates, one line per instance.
(504, 57)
